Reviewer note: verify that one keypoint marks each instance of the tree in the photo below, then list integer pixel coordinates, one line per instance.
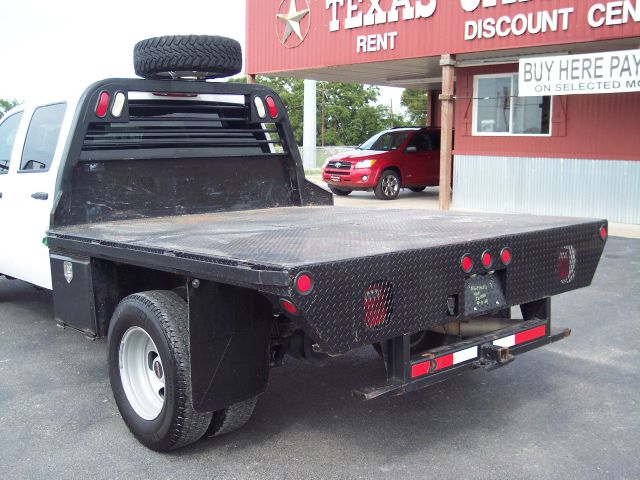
(350, 113)
(417, 104)
(6, 105)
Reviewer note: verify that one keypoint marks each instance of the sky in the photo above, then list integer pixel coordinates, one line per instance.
(57, 48)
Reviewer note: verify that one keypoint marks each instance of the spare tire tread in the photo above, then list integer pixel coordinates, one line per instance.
(213, 56)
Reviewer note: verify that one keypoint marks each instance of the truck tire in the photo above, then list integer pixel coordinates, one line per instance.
(341, 192)
(388, 187)
(200, 56)
(231, 418)
(149, 370)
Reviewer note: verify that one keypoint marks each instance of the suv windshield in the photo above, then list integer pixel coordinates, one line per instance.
(385, 141)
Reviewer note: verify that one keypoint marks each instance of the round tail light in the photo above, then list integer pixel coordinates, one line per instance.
(505, 256)
(466, 263)
(603, 233)
(486, 259)
(288, 306)
(304, 284)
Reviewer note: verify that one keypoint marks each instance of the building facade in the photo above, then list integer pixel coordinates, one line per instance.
(542, 97)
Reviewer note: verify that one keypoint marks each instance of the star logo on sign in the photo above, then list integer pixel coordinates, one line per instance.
(292, 22)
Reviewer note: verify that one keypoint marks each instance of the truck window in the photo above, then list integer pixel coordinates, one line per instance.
(42, 137)
(8, 130)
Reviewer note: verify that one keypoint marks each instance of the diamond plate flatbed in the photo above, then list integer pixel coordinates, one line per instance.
(302, 236)
(415, 254)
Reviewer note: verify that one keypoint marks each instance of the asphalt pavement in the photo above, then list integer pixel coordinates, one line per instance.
(568, 410)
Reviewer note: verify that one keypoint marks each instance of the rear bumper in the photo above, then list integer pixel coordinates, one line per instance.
(362, 178)
(488, 352)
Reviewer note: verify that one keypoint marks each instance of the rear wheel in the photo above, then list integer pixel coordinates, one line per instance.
(149, 370)
(388, 187)
(342, 192)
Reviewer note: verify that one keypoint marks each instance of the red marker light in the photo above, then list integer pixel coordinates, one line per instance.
(271, 105)
(505, 256)
(103, 104)
(466, 263)
(288, 306)
(603, 233)
(486, 259)
(304, 284)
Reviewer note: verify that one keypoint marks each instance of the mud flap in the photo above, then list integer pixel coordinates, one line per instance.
(229, 329)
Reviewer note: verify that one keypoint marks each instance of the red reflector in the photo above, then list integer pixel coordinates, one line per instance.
(378, 304)
(505, 256)
(486, 259)
(288, 306)
(532, 334)
(103, 104)
(466, 263)
(304, 284)
(566, 264)
(419, 369)
(444, 362)
(603, 233)
(271, 105)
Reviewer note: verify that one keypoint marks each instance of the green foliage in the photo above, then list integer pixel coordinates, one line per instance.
(6, 105)
(350, 114)
(417, 103)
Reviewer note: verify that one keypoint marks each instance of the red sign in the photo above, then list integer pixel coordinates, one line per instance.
(304, 34)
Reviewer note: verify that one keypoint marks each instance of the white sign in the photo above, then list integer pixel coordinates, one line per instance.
(607, 72)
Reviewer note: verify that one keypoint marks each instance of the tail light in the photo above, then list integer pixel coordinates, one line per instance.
(288, 306)
(378, 304)
(271, 106)
(603, 233)
(466, 263)
(505, 256)
(486, 259)
(118, 104)
(262, 112)
(566, 264)
(103, 104)
(304, 284)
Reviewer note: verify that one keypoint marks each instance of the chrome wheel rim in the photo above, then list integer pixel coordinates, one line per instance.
(390, 186)
(142, 373)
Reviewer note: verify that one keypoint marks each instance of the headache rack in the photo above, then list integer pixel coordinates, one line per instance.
(180, 128)
(144, 148)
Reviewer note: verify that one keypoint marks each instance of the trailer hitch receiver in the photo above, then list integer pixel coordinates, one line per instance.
(494, 356)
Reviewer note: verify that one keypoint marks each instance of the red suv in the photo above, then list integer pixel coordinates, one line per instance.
(390, 160)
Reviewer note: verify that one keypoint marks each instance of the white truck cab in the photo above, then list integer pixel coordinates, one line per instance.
(32, 141)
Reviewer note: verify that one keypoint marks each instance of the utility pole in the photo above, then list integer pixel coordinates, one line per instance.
(323, 114)
(392, 113)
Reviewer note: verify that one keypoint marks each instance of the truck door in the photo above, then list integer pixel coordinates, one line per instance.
(9, 129)
(31, 194)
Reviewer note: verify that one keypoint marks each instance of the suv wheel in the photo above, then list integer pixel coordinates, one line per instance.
(388, 187)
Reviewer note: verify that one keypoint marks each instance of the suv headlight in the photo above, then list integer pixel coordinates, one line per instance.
(365, 164)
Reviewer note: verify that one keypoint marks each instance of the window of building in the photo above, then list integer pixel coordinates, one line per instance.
(8, 131)
(42, 137)
(499, 111)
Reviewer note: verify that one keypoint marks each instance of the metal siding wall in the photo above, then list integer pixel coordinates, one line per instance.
(549, 186)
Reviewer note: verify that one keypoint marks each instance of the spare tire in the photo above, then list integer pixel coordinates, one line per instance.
(177, 56)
